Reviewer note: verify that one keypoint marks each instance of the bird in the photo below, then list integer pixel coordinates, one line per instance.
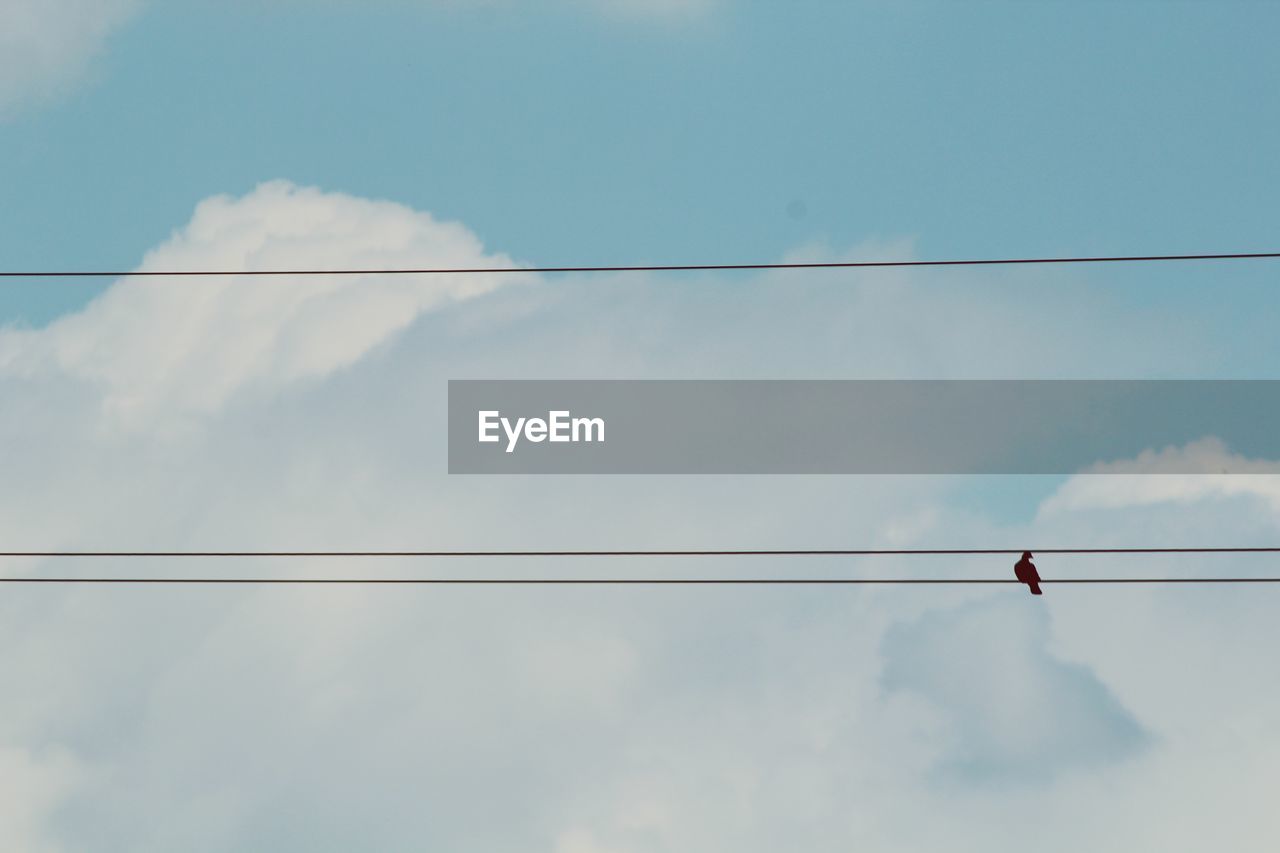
(1025, 571)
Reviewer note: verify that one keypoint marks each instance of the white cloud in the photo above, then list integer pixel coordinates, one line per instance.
(580, 841)
(1016, 713)
(625, 720)
(1160, 476)
(32, 786)
(178, 346)
(46, 44)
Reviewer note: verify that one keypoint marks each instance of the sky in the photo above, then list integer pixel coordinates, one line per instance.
(252, 414)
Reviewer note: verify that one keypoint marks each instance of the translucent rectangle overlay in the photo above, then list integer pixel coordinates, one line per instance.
(850, 426)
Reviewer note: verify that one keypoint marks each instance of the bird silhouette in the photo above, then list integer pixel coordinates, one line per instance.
(1025, 571)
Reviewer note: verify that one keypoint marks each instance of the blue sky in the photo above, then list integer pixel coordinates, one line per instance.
(562, 134)
(243, 413)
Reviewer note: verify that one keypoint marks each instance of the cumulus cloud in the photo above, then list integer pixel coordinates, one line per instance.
(32, 786)
(1015, 712)
(220, 336)
(46, 44)
(580, 841)
(1160, 476)
(623, 720)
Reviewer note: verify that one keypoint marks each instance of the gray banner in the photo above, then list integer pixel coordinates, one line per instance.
(845, 427)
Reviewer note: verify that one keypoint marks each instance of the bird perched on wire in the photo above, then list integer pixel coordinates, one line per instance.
(1025, 571)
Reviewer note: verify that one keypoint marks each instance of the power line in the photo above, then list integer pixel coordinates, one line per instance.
(631, 581)
(1221, 256)
(793, 552)
(620, 581)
